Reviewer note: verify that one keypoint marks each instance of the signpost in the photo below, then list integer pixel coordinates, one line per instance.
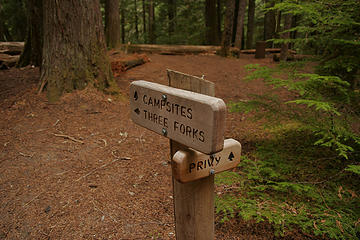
(190, 165)
(193, 119)
(188, 113)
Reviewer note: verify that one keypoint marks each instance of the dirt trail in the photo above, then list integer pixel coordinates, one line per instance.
(80, 169)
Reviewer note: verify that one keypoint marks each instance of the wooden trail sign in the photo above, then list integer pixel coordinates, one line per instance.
(193, 119)
(189, 165)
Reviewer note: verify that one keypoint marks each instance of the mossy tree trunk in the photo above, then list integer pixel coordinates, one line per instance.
(32, 53)
(74, 49)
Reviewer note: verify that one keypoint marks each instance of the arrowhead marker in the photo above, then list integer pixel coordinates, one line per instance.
(231, 156)
(136, 95)
(137, 111)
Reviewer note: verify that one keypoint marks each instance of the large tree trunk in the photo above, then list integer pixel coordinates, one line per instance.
(112, 23)
(32, 53)
(269, 23)
(250, 25)
(74, 50)
(211, 23)
(240, 24)
(228, 27)
(152, 38)
(285, 36)
(171, 16)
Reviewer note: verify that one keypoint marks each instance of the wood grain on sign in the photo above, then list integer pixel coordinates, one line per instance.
(193, 119)
(189, 165)
(193, 201)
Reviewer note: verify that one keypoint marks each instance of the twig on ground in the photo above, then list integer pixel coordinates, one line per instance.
(102, 166)
(96, 208)
(69, 137)
(26, 155)
(57, 121)
(32, 199)
(105, 143)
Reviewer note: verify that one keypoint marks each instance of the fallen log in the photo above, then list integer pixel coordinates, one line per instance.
(8, 61)
(11, 47)
(292, 57)
(121, 63)
(169, 49)
(267, 50)
(188, 49)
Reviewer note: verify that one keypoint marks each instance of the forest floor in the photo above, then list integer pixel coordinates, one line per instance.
(81, 169)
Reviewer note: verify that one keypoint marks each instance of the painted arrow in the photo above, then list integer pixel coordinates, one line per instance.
(231, 156)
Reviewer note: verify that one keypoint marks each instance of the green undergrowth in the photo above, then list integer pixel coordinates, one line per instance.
(306, 174)
(291, 184)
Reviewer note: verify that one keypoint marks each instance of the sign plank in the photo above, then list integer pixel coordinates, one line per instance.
(189, 165)
(193, 119)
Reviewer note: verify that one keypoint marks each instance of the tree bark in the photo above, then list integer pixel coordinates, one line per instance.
(74, 50)
(32, 54)
(219, 18)
(240, 24)
(269, 23)
(250, 25)
(151, 21)
(112, 23)
(228, 27)
(211, 23)
(171, 16)
(136, 21)
(122, 16)
(285, 36)
(4, 31)
(144, 20)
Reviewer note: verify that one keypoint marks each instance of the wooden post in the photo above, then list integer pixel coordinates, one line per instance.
(193, 201)
(260, 49)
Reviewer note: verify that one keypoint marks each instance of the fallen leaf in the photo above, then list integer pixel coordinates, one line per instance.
(338, 223)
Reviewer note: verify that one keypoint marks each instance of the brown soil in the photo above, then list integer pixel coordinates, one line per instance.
(80, 169)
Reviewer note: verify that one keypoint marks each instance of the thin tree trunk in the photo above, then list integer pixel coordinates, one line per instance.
(74, 50)
(122, 13)
(152, 37)
(278, 17)
(112, 23)
(171, 16)
(240, 24)
(144, 20)
(250, 25)
(210, 22)
(269, 23)
(219, 18)
(136, 21)
(228, 26)
(293, 34)
(4, 31)
(32, 53)
(285, 35)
